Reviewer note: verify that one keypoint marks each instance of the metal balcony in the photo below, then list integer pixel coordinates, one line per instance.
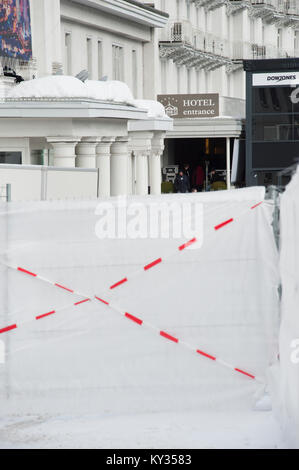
(283, 12)
(210, 5)
(279, 12)
(190, 47)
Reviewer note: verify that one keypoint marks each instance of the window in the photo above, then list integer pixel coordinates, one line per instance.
(117, 63)
(67, 54)
(188, 81)
(252, 30)
(178, 72)
(12, 158)
(178, 9)
(188, 10)
(279, 38)
(206, 21)
(100, 60)
(296, 42)
(163, 76)
(134, 73)
(197, 81)
(89, 56)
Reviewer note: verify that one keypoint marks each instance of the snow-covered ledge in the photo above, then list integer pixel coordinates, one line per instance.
(156, 119)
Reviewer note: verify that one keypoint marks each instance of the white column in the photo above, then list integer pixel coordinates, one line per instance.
(86, 152)
(141, 146)
(119, 167)
(130, 171)
(103, 164)
(228, 162)
(64, 150)
(141, 172)
(155, 162)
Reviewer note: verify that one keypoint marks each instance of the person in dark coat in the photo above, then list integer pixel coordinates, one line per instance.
(182, 183)
(187, 171)
(198, 178)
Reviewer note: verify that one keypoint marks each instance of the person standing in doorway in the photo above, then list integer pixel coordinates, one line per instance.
(198, 178)
(187, 172)
(181, 183)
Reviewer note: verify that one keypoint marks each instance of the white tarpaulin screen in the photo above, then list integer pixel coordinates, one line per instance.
(287, 386)
(220, 297)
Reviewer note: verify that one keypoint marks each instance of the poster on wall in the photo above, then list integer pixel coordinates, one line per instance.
(15, 29)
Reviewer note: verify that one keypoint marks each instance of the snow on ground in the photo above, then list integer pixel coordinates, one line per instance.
(188, 430)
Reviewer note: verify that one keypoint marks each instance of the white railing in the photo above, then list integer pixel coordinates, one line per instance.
(288, 7)
(245, 50)
(178, 31)
(183, 31)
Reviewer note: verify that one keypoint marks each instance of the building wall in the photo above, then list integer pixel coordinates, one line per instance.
(60, 32)
(53, 19)
(238, 32)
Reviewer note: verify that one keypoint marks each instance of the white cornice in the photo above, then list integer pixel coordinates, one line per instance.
(130, 11)
(151, 124)
(225, 126)
(43, 108)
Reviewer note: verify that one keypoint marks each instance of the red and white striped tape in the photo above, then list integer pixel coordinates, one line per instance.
(127, 315)
(145, 268)
(162, 333)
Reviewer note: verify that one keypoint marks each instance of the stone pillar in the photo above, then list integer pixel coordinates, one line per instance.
(141, 172)
(86, 152)
(119, 167)
(64, 150)
(103, 164)
(131, 177)
(141, 145)
(155, 162)
(228, 164)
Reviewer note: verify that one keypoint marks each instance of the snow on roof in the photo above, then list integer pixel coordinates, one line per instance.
(110, 91)
(154, 108)
(62, 86)
(54, 86)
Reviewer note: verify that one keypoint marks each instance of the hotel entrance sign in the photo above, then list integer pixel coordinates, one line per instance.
(191, 106)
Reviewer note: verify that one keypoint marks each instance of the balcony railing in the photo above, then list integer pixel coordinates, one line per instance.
(245, 50)
(206, 42)
(266, 9)
(189, 46)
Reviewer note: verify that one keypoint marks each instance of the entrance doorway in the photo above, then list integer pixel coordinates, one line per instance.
(209, 153)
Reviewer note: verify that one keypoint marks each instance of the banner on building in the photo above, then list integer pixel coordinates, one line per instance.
(191, 106)
(15, 29)
(275, 79)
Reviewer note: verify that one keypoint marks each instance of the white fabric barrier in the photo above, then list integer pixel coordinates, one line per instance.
(221, 298)
(286, 375)
(43, 183)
